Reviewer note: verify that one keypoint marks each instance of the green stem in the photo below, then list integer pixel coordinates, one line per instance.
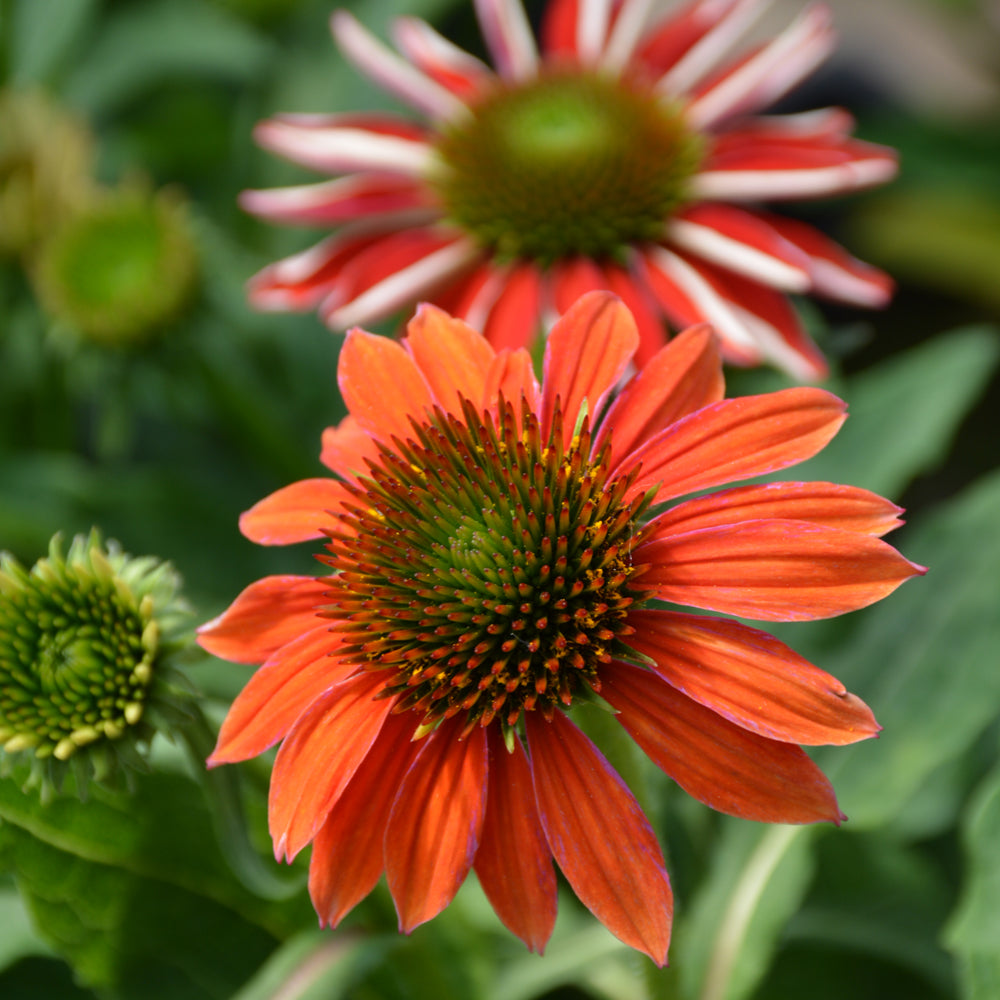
(742, 906)
(222, 786)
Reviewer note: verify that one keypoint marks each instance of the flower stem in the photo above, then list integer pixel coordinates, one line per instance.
(741, 908)
(222, 787)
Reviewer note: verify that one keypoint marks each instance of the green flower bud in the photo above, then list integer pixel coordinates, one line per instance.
(122, 269)
(87, 649)
(46, 158)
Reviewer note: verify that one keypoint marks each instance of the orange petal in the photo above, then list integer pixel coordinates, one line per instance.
(514, 863)
(279, 693)
(586, 354)
(682, 377)
(845, 507)
(452, 357)
(319, 757)
(599, 836)
(347, 857)
(513, 375)
(269, 613)
(750, 678)
(722, 765)
(381, 385)
(345, 448)
(773, 570)
(644, 308)
(436, 822)
(513, 320)
(294, 513)
(736, 439)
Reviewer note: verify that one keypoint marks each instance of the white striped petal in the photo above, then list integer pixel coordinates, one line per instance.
(711, 245)
(625, 34)
(713, 308)
(776, 349)
(758, 185)
(342, 150)
(390, 71)
(764, 77)
(418, 41)
(705, 54)
(508, 37)
(592, 19)
(400, 288)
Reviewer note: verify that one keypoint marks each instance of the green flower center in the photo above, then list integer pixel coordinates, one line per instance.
(569, 163)
(490, 569)
(75, 663)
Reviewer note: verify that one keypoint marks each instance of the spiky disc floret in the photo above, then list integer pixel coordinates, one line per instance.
(85, 644)
(488, 566)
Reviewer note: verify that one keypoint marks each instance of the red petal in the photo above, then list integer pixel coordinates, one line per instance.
(347, 853)
(682, 377)
(773, 570)
(845, 507)
(453, 359)
(369, 276)
(639, 301)
(279, 693)
(751, 678)
(513, 862)
(514, 319)
(294, 513)
(302, 281)
(319, 757)
(436, 823)
(269, 613)
(337, 201)
(558, 32)
(513, 375)
(834, 271)
(736, 439)
(599, 836)
(345, 448)
(586, 354)
(722, 765)
(381, 385)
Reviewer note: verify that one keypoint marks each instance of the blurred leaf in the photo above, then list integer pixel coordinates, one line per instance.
(135, 938)
(973, 933)
(41, 34)
(756, 881)
(18, 938)
(947, 240)
(141, 44)
(876, 896)
(315, 965)
(161, 833)
(905, 411)
(925, 660)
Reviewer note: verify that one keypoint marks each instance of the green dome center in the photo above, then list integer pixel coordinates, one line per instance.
(570, 163)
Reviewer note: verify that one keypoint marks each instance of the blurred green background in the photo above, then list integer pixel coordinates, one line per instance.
(160, 431)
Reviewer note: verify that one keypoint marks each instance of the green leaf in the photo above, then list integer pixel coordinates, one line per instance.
(756, 881)
(316, 965)
(876, 896)
(118, 881)
(42, 33)
(19, 938)
(905, 411)
(973, 933)
(136, 938)
(925, 660)
(142, 44)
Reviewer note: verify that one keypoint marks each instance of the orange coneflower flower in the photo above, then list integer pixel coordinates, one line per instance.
(498, 550)
(623, 152)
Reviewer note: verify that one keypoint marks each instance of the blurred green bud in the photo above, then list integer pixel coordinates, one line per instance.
(121, 269)
(88, 644)
(46, 158)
